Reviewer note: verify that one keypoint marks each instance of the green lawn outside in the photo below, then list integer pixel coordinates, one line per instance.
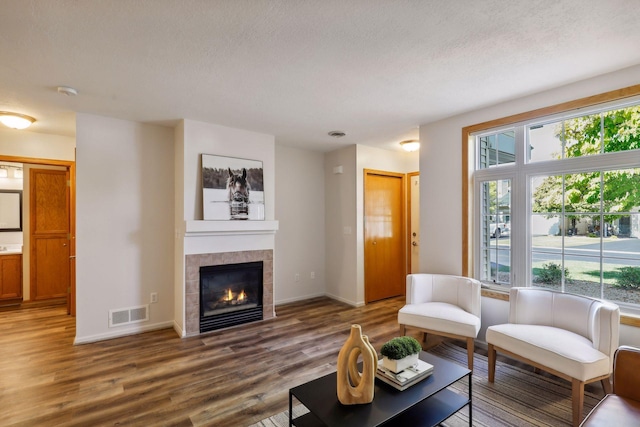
(584, 271)
(579, 270)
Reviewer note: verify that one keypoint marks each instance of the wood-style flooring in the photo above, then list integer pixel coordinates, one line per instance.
(234, 377)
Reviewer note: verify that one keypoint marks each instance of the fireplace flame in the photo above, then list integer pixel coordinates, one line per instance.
(229, 298)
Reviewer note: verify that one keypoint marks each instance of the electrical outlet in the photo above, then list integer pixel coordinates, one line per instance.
(296, 277)
(154, 297)
(313, 274)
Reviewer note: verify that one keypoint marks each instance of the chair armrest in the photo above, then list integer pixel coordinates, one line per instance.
(626, 372)
(463, 292)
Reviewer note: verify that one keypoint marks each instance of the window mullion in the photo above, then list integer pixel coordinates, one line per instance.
(519, 257)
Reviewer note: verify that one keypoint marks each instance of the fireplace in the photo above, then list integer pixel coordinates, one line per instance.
(192, 280)
(230, 294)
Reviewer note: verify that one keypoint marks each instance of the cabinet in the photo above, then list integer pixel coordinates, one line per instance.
(10, 278)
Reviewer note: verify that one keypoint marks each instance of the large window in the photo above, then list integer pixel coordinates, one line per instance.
(495, 220)
(556, 203)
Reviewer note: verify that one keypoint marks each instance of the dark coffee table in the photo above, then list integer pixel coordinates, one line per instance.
(427, 403)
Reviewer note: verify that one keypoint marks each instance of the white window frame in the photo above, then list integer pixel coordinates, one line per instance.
(520, 173)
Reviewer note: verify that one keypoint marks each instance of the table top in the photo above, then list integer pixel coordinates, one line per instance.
(320, 396)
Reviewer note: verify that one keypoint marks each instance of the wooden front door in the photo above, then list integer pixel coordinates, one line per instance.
(384, 235)
(50, 233)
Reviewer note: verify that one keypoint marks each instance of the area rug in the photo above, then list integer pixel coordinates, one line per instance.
(518, 397)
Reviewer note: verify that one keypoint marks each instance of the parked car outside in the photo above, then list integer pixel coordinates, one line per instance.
(499, 229)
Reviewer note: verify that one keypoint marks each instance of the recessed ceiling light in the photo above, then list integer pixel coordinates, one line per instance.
(15, 120)
(337, 133)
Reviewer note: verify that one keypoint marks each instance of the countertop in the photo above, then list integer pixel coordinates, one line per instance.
(10, 249)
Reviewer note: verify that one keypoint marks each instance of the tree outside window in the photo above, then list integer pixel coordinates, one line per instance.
(573, 172)
(585, 225)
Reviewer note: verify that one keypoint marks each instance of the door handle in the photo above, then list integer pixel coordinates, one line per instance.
(72, 257)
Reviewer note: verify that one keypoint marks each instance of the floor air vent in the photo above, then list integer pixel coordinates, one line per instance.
(126, 316)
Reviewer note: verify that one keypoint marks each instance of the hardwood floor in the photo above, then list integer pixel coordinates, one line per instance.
(234, 377)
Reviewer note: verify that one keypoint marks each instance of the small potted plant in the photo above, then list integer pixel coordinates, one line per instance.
(399, 353)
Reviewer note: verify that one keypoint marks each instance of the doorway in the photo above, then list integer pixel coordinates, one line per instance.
(384, 235)
(49, 233)
(413, 220)
(34, 255)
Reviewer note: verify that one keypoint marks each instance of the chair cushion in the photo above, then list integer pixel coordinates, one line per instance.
(559, 349)
(440, 316)
(614, 410)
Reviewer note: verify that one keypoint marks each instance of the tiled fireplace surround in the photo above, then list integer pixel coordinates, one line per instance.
(192, 281)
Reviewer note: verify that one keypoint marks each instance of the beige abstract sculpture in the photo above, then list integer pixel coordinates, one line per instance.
(355, 387)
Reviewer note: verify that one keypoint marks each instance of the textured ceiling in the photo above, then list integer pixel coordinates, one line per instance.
(298, 69)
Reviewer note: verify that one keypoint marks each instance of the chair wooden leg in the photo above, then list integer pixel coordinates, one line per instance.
(424, 337)
(492, 362)
(470, 344)
(403, 330)
(606, 385)
(577, 397)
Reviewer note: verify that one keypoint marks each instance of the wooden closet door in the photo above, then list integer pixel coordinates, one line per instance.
(50, 234)
(384, 235)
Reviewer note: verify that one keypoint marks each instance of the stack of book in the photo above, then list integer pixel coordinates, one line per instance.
(406, 378)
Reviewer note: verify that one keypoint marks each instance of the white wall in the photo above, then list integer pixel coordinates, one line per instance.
(23, 143)
(179, 266)
(341, 225)
(125, 210)
(345, 208)
(441, 172)
(629, 335)
(206, 138)
(300, 240)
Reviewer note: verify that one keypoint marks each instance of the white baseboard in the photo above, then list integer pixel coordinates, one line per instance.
(181, 332)
(137, 329)
(346, 301)
(306, 297)
(296, 299)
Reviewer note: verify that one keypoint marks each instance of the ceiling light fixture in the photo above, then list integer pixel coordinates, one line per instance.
(337, 133)
(15, 120)
(410, 145)
(67, 90)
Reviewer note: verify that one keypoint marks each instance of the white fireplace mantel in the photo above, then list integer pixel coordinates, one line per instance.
(227, 228)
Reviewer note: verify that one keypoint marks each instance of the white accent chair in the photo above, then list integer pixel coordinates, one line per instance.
(443, 305)
(570, 336)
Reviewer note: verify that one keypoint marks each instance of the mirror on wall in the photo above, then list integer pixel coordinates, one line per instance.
(10, 210)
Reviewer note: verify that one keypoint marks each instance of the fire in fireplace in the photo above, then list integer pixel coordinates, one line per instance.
(230, 294)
